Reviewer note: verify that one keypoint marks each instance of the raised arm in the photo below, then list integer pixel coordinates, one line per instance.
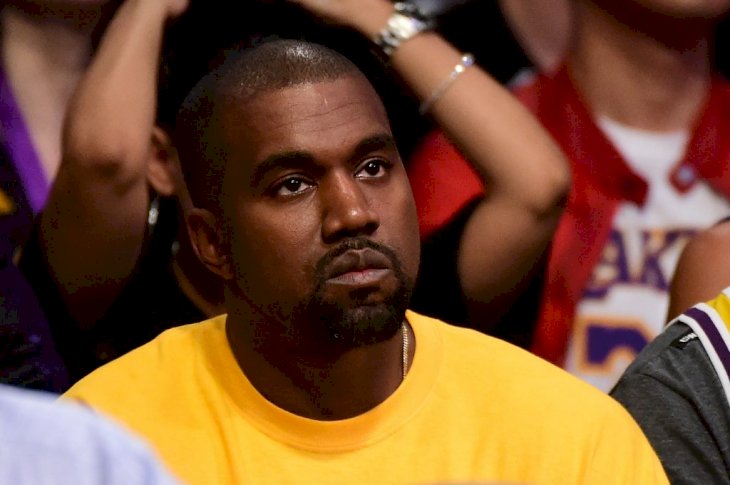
(93, 227)
(527, 175)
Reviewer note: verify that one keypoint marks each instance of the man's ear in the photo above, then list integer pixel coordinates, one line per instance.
(206, 237)
(163, 164)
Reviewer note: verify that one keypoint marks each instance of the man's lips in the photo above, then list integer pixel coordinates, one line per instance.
(358, 267)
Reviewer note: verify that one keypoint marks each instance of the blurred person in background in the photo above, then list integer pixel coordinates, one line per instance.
(642, 115)
(45, 47)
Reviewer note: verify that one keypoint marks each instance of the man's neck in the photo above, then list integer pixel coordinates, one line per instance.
(640, 77)
(318, 381)
(44, 58)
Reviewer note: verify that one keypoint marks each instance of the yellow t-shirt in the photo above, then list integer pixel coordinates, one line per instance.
(471, 408)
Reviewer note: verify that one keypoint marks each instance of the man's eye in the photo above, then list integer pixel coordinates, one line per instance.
(291, 186)
(372, 168)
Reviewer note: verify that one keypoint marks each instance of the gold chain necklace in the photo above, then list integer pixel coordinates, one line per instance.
(404, 356)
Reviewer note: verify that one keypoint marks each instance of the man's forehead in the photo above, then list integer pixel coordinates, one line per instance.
(314, 116)
(291, 104)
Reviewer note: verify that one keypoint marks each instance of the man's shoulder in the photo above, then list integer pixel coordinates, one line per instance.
(663, 359)
(695, 344)
(519, 373)
(679, 359)
(174, 351)
(524, 391)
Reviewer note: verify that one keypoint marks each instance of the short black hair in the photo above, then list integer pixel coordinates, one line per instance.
(272, 65)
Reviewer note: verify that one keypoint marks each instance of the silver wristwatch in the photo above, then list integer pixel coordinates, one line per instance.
(405, 23)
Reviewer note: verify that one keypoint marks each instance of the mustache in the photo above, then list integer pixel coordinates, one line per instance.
(353, 244)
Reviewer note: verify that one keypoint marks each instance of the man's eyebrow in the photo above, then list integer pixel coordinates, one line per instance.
(383, 141)
(278, 161)
(299, 159)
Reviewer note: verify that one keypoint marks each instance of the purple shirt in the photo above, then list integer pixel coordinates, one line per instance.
(19, 147)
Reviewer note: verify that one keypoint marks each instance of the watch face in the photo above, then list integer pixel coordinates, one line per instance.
(404, 27)
(401, 26)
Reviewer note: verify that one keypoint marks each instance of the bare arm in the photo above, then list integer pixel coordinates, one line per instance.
(703, 270)
(526, 172)
(93, 226)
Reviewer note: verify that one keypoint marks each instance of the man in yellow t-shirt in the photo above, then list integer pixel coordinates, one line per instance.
(318, 373)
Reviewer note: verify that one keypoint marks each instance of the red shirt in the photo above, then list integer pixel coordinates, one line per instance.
(444, 183)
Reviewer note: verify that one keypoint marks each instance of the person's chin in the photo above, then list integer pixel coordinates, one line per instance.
(365, 324)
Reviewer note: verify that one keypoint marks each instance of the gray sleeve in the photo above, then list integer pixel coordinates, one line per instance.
(676, 398)
(684, 443)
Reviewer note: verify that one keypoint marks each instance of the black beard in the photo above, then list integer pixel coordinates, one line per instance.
(362, 323)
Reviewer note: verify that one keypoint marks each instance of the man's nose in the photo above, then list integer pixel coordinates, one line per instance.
(346, 211)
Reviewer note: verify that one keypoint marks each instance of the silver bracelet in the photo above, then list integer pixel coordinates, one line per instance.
(467, 60)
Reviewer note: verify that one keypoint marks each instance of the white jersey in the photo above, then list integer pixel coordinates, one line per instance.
(625, 303)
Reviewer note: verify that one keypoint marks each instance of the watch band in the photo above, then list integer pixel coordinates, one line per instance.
(405, 23)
